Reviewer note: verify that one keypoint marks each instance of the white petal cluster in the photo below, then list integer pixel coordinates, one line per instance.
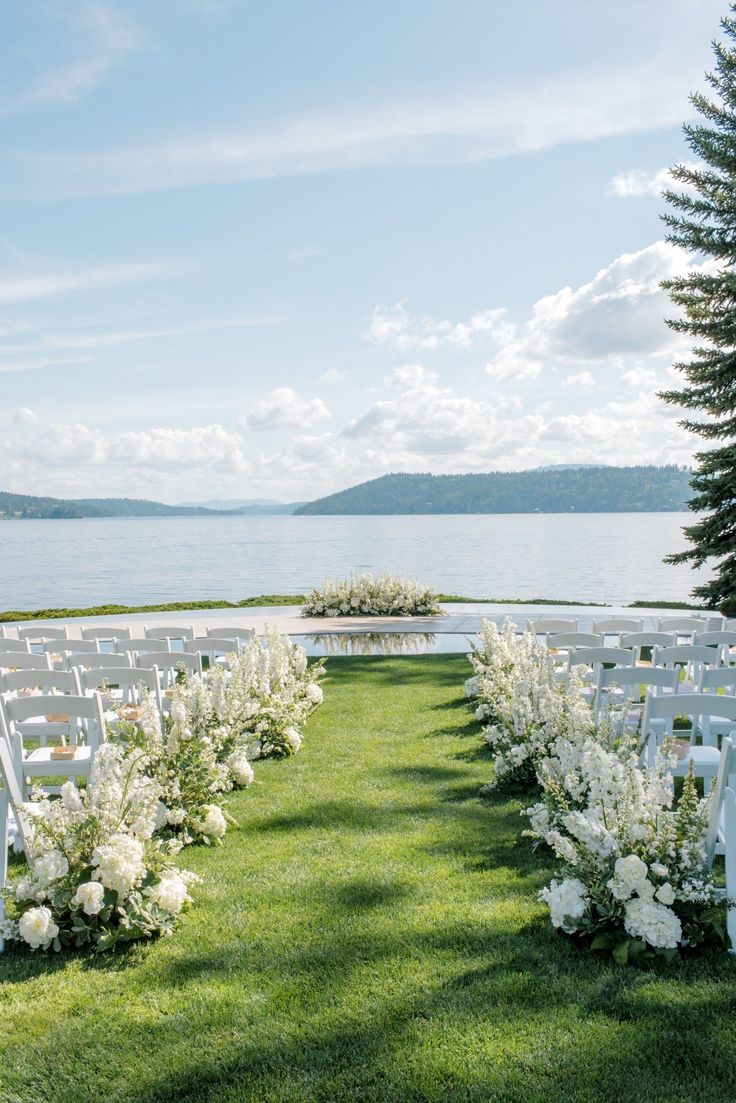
(653, 923)
(90, 897)
(364, 595)
(567, 900)
(36, 927)
(119, 863)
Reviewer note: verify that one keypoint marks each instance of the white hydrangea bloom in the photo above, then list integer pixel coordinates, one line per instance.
(119, 863)
(654, 923)
(567, 900)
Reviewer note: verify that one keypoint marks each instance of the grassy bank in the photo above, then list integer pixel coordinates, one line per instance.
(264, 600)
(371, 933)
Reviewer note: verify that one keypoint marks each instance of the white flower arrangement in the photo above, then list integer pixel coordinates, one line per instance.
(97, 874)
(634, 878)
(264, 700)
(523, 707)
(363, 595)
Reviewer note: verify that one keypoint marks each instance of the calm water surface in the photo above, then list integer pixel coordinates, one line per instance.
(607, 557)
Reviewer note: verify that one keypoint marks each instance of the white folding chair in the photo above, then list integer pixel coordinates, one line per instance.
(56, 681)
(60, 650)
(545, 626)
(169, 666)
(715, 839)
(701, 709)
(641, 640)
(84, 728)
(11, 800)
(215, 650)
(589, 660)
(123, 685)
(724, 641)
(682, 626)
(13, 646)
(688, 658)
(629, 682)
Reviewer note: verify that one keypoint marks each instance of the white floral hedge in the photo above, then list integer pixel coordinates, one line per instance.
(633, 877)
(364, 595)
(101, 868)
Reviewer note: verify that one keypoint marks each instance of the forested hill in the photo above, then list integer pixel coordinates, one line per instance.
(556, 490)
(28, 506)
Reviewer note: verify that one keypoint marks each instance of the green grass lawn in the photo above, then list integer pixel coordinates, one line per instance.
(370, 933)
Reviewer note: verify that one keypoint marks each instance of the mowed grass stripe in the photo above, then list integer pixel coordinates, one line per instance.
(371, 932)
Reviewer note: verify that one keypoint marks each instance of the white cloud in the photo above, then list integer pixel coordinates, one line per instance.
(111, 37)
(332, 375)
(16, 289)
(408, 375)
(639, 182)
(578, 379)
(395, 326)
(617, 317)
(475, 126)
(283, 408)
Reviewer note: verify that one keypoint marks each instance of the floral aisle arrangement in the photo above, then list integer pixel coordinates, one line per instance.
(99, 875)
(634, 876)
(523, 708)
(364, 595)
(100, 859)
(182, 758)
(264, 700)
(634, 880)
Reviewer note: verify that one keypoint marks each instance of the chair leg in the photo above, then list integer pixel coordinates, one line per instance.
(730, 833)
(3, 855)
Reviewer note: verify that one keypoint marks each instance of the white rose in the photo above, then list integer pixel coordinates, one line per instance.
(89, 897)
(37, 927)
(666, 894)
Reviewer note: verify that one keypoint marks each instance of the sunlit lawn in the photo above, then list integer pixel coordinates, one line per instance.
(371, 932)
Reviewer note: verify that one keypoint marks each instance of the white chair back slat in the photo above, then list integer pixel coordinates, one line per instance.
(170, 632)
(106, 632)
(567, 640)
(14, 646)
(142, 645)
(210, 646)
(225, 632)
(39, 633)
(20, 660)
(58, 681)
(545, 626)
(66, 646)
(614, 626)
(96, 660)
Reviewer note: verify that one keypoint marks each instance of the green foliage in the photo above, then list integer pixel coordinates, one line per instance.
(558, 490)
(702, 220)
(25, 506)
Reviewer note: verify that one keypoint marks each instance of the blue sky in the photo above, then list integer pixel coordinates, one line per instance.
(256, 249)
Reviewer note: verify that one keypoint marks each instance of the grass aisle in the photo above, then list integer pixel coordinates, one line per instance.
(371, 933)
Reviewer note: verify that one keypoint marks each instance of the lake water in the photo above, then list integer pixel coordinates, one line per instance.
(611, 558)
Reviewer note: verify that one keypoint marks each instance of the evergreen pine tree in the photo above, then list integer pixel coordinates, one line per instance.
(703, 220)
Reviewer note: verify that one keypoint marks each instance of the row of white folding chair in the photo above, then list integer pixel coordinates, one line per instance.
(120, 686)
